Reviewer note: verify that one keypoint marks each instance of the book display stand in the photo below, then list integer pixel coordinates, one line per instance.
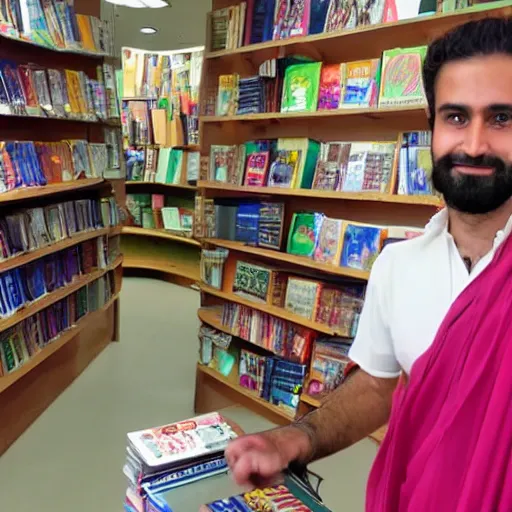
(61, 182)
(299, 215)
(161, 142)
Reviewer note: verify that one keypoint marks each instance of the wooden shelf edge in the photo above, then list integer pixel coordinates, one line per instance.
(55, 296)
(156, 183)
(54, 188)
(10, 379)
(23, 259)
(310, 400)
(339, 36)
(160, 266)
(271, 310)
(159, 233)
(242, 391)
(290, 259)
(418, 200)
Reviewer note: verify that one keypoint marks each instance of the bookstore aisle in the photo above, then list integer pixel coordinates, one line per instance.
(72, 456)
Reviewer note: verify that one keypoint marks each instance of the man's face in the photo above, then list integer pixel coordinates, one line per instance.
(472, 136)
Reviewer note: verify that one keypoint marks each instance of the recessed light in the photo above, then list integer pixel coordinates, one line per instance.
(148, 30)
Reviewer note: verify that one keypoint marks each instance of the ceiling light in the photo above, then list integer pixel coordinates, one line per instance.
(148, 30)
(138, 4)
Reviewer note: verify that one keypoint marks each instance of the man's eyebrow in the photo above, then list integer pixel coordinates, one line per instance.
(500, 107)
(454, 106)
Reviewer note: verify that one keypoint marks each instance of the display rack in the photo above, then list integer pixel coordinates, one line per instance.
(27, 390)
(214, 390)
(168, 254)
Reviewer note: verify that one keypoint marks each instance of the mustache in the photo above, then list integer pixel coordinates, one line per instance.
(463, 159)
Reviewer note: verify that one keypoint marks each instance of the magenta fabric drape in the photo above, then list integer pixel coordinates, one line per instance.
(449, 443)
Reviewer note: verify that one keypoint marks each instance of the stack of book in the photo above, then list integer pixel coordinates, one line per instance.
(55, 24)
(251, 95)
(26, 339)
(29, 90)
(163, 458)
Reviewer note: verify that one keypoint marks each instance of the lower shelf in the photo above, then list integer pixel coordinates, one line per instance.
(244, 394)
(167, 266)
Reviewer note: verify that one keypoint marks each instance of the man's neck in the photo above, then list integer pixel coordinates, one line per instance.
(474, 234)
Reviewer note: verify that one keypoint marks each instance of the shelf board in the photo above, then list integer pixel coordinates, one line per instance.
(311, 400)
(156, 184)
(115, 123)
(290, 259)
(159, 233)
(8, 380)
(374, 113)
(55, 296)
(228, 189)
(54, 188)
(245, 392)
(356, 43)
(190, 272)
(23, 259)
(271, 310)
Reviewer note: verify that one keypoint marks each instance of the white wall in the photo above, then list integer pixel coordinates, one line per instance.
(181, 26)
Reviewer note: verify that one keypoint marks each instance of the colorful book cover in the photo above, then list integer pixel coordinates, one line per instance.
(318, 16)
(342, 14)
(257, 169)
(223, 164)
(329, 243)
(330, 87)
(402, 78)
(284, 169)
(270, 227)
(415, 164)
(303, 234)
(370, 13)
(301, 87)
(297, 19)
(252, 281)
(360, 84)
(371, 167)
(227, 98)
(302, 297)
(361, 245)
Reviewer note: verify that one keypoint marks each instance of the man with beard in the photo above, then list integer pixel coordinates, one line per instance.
(437, 312)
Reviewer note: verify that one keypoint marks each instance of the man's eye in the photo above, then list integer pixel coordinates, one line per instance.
(501, 119)
(456, 119)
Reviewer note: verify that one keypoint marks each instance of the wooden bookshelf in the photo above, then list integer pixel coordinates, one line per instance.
(360, 43)
(310, 400)
(159, 233)
(243, 395)
(228, 190)
(56, 296)
(271, 310)
(133, 184)
(27, 392)
(288, 259)
(23, 194)
(8, 380)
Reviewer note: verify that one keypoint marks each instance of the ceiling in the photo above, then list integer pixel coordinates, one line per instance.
(181, 26)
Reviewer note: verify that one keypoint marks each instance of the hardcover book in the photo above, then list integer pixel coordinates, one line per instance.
(302, 297)
(361, 245)
(301, 87)
(252, 281)
(360, 84)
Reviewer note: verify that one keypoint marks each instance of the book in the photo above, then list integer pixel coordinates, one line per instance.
(247, 223)
(340, 15)
(331, 167)
(252, 281)
(318, 16)
(302, 296)
(360, 84)
(257, 169)
(402, 78)
(309, 151)
(301, 87)
(223, 164)
(271, 225)
(227, 99)
(371, 167)
(303, 234)
(361, 245)
(329, 242)
(330, 91)
(260, 21)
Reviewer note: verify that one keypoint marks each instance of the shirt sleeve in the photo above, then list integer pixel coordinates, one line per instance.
(373, 348)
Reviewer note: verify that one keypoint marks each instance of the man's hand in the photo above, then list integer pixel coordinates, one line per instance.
(259, 459)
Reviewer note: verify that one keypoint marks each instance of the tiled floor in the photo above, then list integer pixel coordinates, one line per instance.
(70, 460)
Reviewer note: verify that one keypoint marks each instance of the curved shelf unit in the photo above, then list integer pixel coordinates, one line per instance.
(159, 233)
(362, 42)
(164, 265)
(67, 336)
(55, 188)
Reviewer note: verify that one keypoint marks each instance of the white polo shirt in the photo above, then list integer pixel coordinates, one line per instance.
(411, 288)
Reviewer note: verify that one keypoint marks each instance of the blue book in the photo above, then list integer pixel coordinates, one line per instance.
(247, 223)
(319, 9)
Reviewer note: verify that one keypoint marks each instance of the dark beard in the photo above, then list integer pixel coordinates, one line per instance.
(473, 194)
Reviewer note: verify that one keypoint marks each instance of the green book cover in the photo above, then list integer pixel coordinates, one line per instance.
(401, 79)
(301, 87)
(303, 234)
(163, 165)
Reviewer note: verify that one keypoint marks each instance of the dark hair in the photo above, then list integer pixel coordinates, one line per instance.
(484, 37)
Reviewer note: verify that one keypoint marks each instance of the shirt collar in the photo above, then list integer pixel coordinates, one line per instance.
(438, 224)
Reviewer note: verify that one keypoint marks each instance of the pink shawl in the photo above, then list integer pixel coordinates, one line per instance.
(449, 443)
